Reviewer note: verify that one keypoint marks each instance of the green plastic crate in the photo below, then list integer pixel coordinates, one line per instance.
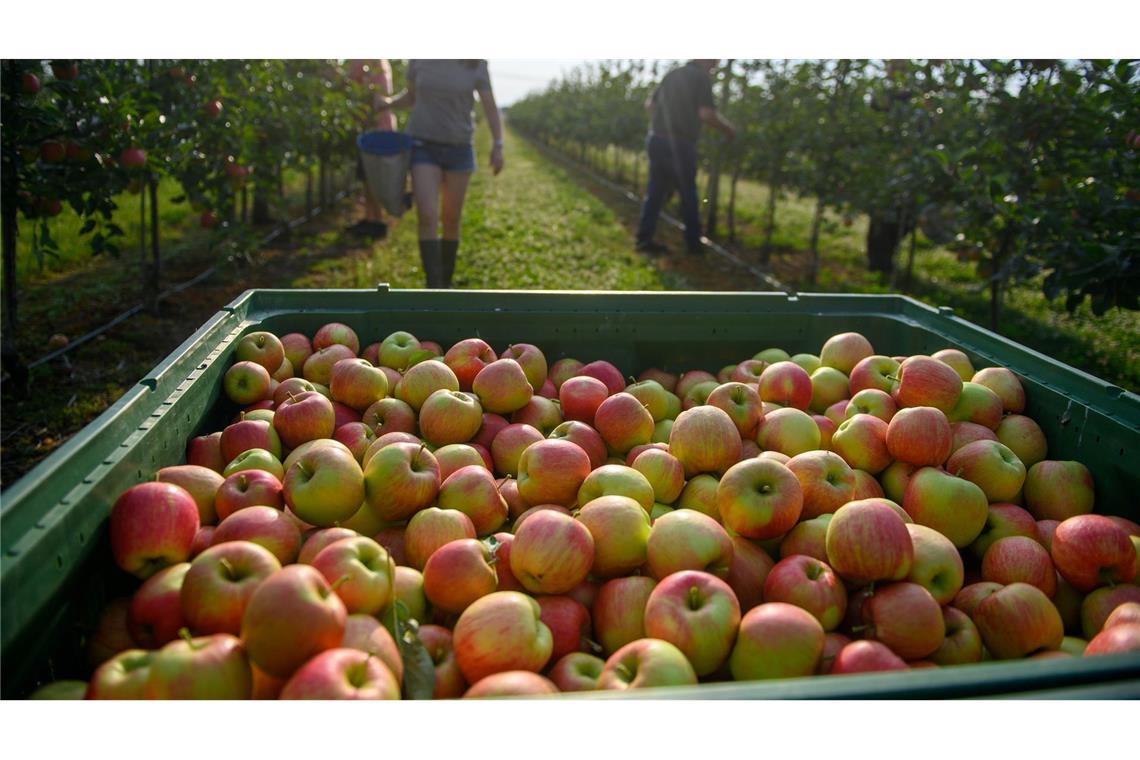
(55, 567)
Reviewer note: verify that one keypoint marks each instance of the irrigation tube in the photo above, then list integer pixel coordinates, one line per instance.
(720, 250)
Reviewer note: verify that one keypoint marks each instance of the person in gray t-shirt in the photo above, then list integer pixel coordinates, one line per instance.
(441, 94)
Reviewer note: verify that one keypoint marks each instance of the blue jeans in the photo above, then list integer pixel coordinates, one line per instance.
(672, 166)
(449, 157)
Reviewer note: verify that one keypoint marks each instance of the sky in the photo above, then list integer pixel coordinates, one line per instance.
(513, 78)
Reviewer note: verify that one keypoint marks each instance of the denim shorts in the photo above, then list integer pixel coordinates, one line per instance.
(448, 157)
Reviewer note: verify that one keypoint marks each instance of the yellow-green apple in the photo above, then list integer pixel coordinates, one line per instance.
(788, 431)
(357, 384)
(977, 404)
(155, 614)
(291, 617)
(455, 456)
(551, 472)
(667, 380)
(268, 527)
(808, 537)
(1024, 437)
(110, 635)
(662, 431)
(906, 618)
(866, 657)
(397, 349)
(324, 487)
(620, 529)
(833, 643)
(1073, 646)
(585, 437)
(431, 528)
(646, 663)
(786, 384)
(724, 375)
(532, 361)
(688, 540)
(342, 673)
(623, 422)
(705, 440)
(502, 387)
(957, 360)
(920, 436)
(123, 676)
(540, 413)
(208, 667)
(1116, 640)
(1097, 606)
(474, 491)
(1058, 490)
(424, 379)
(60, 690)
(760, 498)
(449, 681)
(1005, 384)
(894, 480)
(664, 472)
(304, 417)
(659, 510)
(700, 494)
(450, 417)
(293, 386)
(696, 612)
(400, 480)
(336, 332)
(618, 611)
(219, 584)
(297, 349)
(772, 355)
(866, 486)
(776, 640)
(255, 459)
(247, 383)
(742, 404)
(953, 506)
(1021, 559)
(877, 371)
(509, 444)
(201, 483)
(844, 351)
(552, 553)
(284, 371)
(512, 683)
(206, 451)
(809, 584)
(1018, 620)
(962, 644)
(964, 433)
(691, 379)
(249, 434)
(1091, 551)
(314, 541)
(924, 381)
(360, 571)
(152, 527)
(861, 440)
(937, 565)
(364, 522)
(466, 358)
(827, 481)
(867, 541)
(968, 598)
(748, 572)
(617, 480)
(698, 395)
(357, 437)
(318, 367)
(810, 362)
(458, 573)
(871, 401)
(569, 624)
(408, 588)
(390, 415)
(828, 386)
(500, 632)
(577, 671)
(991, 466)
(1128, 612)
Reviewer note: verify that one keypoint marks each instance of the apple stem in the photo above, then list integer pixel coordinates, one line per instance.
(339, 581)
(229, 568)
(694, 598)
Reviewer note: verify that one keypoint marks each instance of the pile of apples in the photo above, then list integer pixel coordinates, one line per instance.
(408, 522)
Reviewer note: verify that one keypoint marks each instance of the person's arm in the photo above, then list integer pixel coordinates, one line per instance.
(717, 121)
(495, 122)
(405, 99)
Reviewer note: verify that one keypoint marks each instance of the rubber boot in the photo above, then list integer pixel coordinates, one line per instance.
(449, 249)
(432, 262)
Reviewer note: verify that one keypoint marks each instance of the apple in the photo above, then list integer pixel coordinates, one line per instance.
(829, 386)
(937, 565)
(400, 480)
(500, 632)
(342, 673)
(977, 404)
(551, 472)
(532, 361)
(357, 384)
(431, 528)
(1098, 606)
(580, 398)
(502, 387)
(1005, 384)
(155, 614)
(152, 527)
(1058, 490)
(954, 507)
(776, 640)
(335, 332)
(246, 383)
(307, 416)
(666, 380)
(968, 598)
(827, 481)
(961, 644)
(1018, 620)
(466, 358)
(397, 349)
(623, 422)
(833, 643)
(1116, 640)
(867, 541)
(357, 437)
(1020, 559)
(808, 537)
(569, 624)
(688, 540)
(206, 451)
(124, 676)
(473, 491)
(577, 671)
(422, 380)
(316, 540)
(920, 436)
(788, 431)
(380, 442)
(208, 667)
(646, 663)
(696, 612)
(291, 617)
(450, 417)
(1004, 520)
(1024, 438)
(811, 585)
(877, 371)
(249, 434)
(318, 367)
(965, 433)
(927, 382)
(906, 618)
(265, 526)
(617, 480)
(705, 440)
(1091, 551)
(956, 360)
(698, 394)
(664, 472)
(261, 347)
(552, 553)
(111, 634)
(861, 441)
(455, 456)
(390, 415)
(255, 459)
(324, 487)
(458, 573)
(894, 479)
(509, 445)
(866, 657)
(844, 351)
(541, 413)
(585, 437)
(759, 498)
(991, 466)
(618, 611)
(786, 384)
(620, 529)
(871, 401)
(293, 386)
(810, 362)
(700, 494)
(1127, 613)
(449, 681)
(513, 683)
(866, 487)
(741, 403)
(408, 585)
(360, 571)
(202, 483)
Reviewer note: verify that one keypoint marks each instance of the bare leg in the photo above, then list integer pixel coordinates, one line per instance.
(426, 180)
(454, 191)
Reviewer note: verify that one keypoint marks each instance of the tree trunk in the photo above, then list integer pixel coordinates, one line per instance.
(816, 221)
(882, 242)
(308, 190)
(770, 224)
(910, 260)
(322, 183)
(714, 168)
(9, 354)
(731, 214)
(155, 275)
(261, 213)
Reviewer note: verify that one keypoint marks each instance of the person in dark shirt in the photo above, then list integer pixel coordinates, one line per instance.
(678, 107)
